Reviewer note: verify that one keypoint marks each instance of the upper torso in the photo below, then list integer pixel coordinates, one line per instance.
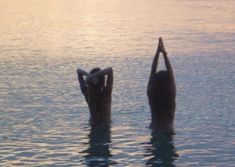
(99, 103)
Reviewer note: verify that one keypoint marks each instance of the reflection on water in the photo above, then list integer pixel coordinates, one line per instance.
(98, 153)
(161, 150)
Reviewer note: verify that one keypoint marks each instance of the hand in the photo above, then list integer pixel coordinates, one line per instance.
(80, 71)
(161, 47)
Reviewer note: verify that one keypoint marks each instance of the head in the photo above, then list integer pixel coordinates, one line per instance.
(100, 80)
(163, 83)
(162, 79)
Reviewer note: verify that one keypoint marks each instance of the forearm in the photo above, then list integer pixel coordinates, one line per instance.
(100, 73)
(169, 69)
(109, 83)
(81, 80)
(155, 62)
(82, 72)
(160, 49)
(167, 63)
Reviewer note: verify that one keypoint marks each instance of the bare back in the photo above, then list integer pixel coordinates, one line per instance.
(99, 102)
(98, 95)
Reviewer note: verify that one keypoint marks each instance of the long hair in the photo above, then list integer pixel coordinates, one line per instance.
(162, 80)
(165, 92)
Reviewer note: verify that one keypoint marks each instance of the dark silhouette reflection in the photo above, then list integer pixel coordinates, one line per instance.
(160, 151)
(98, 153)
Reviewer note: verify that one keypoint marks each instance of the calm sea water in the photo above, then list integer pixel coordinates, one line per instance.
(44, 117)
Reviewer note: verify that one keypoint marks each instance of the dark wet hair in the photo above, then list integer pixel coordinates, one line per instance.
(94, 70)
(162, 81)
(101, 80)
(162, 78)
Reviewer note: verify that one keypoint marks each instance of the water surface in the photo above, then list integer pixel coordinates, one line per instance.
(44, 117)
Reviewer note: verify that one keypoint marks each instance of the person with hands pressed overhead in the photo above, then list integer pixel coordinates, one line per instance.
(161, 93)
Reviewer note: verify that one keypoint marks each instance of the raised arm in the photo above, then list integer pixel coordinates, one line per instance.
(109, 83)
(160, 49)
(169, 69)
(92, 77)
(80, 71)
(156, 58)
(166, 60)
(168, 65)
(81, 80)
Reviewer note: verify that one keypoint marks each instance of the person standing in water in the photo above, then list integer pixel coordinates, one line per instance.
(97, 89)
(161, 93)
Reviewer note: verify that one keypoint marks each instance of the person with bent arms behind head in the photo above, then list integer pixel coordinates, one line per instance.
(97, 89)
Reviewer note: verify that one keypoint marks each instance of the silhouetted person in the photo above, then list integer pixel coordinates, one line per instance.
(97, 90)
(161, 93)
(161, 151)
